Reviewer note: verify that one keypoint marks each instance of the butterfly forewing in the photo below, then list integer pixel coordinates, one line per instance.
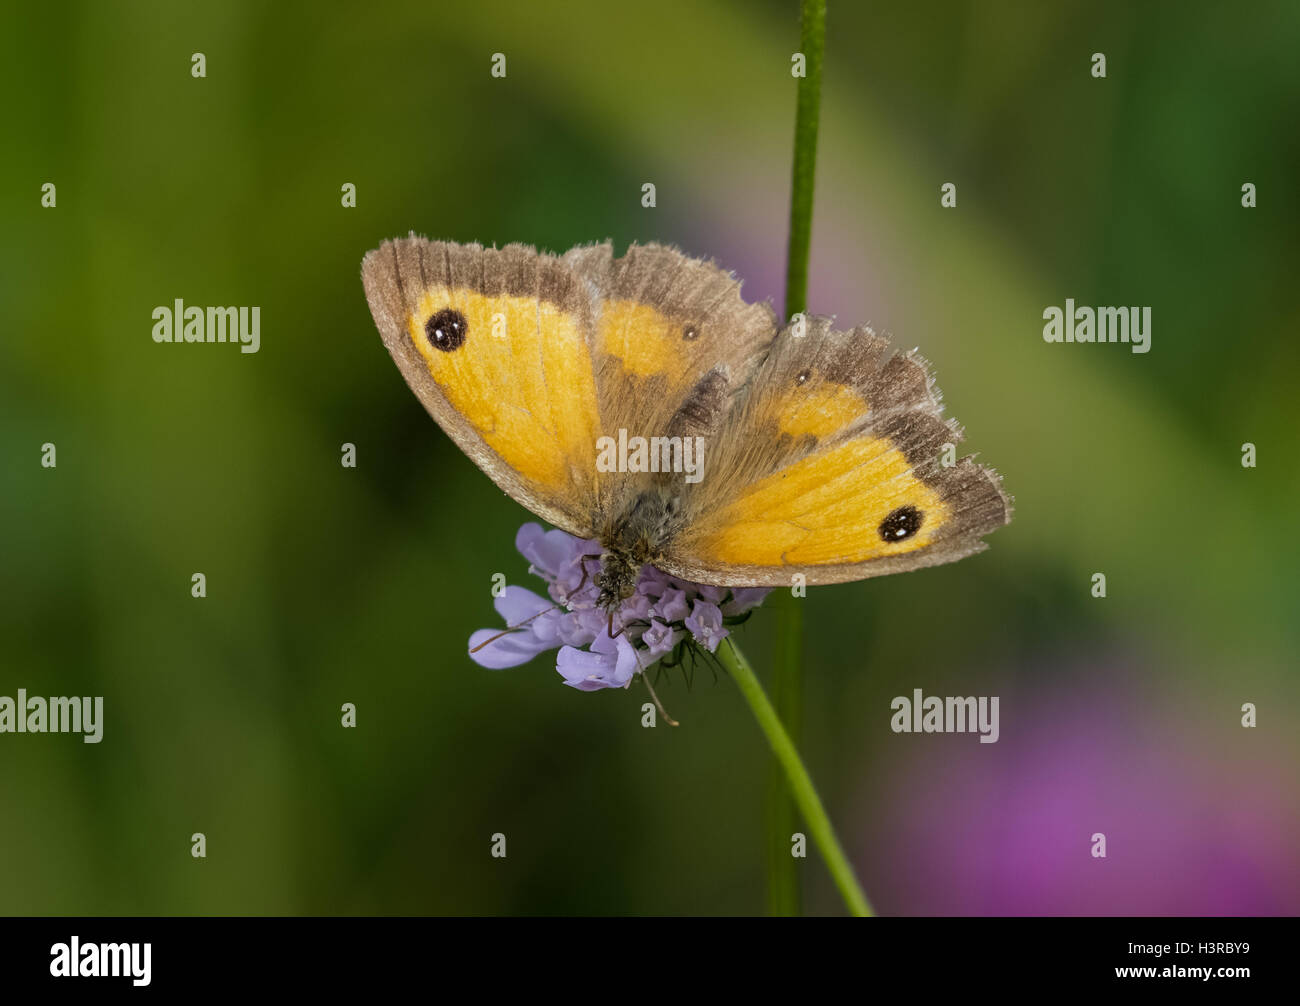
(494, 343)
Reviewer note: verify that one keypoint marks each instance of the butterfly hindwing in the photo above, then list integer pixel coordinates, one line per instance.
(830, 465)
(673, 340)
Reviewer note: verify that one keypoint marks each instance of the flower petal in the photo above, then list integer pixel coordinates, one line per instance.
(547, 551)
(511, 650)
(518, 604)
(745, 598)
(705, 624)
(573, 630)
(627, 664)
(659, 639)
(584, 670)
(672, 606)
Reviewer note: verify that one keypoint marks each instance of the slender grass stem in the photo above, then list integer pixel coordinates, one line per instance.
(783, 895)
(812, 43)
(797, 778)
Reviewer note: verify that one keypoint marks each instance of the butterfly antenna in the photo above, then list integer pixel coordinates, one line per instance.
(512, 628)
(645, 676)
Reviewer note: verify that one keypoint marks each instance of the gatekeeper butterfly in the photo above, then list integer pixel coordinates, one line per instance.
(822, 450)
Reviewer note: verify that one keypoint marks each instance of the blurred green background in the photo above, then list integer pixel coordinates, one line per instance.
(329, 585)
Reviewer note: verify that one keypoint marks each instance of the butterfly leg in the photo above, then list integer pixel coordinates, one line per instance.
(662, 711)
(585, 572)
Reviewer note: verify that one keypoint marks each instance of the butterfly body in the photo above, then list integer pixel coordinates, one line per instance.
(634, 540)
(641, 402)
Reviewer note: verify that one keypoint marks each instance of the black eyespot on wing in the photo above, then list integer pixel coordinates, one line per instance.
(691, 333)
(802, 377)
(901, 524)
(447, 330)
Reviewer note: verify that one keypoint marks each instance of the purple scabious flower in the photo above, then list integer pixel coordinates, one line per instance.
(663, 613)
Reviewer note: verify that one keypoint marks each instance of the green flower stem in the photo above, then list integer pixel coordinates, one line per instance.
(812, 43)
(783, 893)
(787, 684)
(800, 783)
